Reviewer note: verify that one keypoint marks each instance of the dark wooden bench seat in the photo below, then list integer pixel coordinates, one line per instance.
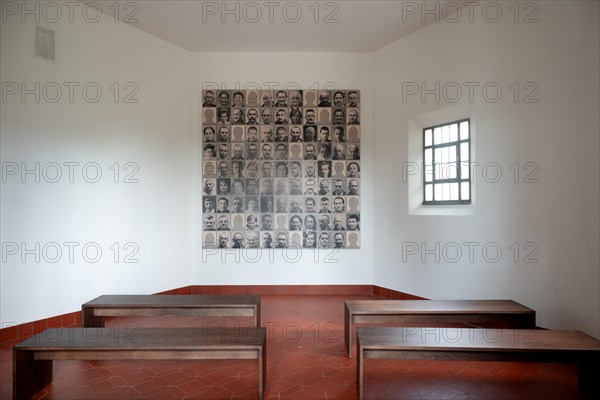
(506, 313)
(470, 344)
(94, 311)
(32, 359)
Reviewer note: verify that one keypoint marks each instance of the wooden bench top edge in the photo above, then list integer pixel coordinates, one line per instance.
(137, 347)
(144, 338)
(436, 306)
(184, 300)
(484, 349)
(475, 339)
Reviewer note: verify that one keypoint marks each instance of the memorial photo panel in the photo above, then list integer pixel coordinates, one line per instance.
(281, 168)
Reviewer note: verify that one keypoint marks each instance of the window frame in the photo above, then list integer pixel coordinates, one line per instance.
(460, 163)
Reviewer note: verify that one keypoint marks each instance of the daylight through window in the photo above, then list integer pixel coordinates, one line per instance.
(446, 157)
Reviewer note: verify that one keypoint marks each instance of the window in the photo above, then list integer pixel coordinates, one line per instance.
(446, 155)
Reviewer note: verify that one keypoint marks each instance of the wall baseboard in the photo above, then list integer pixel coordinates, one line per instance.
(275, 289)
(16, 333)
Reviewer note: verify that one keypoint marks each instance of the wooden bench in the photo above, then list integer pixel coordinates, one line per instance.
(94, 311)
(506, 313)
(32, 359)
(469, 344)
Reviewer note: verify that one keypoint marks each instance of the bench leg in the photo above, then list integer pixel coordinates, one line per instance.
(587, 378)
(88, 320)
(348, 331)
(257, 317)
(360, 373)
(29, 375)
(262, 371)
(521, 322)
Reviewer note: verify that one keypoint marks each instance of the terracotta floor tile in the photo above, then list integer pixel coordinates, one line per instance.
(306, 360)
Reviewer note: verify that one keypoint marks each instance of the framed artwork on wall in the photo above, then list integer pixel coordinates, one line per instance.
(281, 168)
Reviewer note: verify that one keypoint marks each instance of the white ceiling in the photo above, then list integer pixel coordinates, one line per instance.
(321, 26)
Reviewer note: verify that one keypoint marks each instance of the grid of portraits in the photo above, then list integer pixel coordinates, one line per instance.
(281, 168)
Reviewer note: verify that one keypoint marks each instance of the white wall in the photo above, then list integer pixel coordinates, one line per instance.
(153, 214)
(279, 70)
(559, 133)
(161, 135)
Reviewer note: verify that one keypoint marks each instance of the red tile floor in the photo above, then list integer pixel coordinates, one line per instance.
(306, 360)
